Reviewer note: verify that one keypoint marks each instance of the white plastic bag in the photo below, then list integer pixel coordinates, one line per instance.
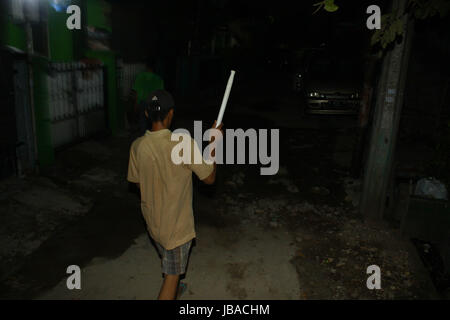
(431, 188)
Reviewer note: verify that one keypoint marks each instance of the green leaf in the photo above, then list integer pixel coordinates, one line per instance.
(330, 6)
(375, 37)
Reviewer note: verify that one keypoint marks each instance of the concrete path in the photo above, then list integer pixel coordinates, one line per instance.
(224, 264)
(295, 235)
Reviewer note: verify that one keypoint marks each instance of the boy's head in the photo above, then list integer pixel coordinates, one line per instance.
(159, 107)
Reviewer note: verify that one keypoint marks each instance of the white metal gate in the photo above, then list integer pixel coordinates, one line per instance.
(127, 76)
(76, 98)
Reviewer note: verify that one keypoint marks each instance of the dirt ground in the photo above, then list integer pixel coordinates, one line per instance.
(294, 235)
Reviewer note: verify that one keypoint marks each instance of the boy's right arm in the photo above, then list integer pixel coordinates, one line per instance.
(212, 177)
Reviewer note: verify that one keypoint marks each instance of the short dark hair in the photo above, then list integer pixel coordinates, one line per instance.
(156, 113)
(158, 105)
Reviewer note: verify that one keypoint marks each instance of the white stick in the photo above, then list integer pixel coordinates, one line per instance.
(225, 98)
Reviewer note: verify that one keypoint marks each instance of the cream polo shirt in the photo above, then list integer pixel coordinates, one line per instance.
(166, 188)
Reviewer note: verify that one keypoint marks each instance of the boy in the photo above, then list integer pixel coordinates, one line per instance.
(166, 189)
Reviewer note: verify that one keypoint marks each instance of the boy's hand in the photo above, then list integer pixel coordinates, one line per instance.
(212, 138)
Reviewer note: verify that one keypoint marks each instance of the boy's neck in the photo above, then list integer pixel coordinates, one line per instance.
(156, 126)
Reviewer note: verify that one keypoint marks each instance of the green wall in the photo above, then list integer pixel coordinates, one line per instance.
(65, 45)
(95, 14)
(61, 39)
(12, 34)
(46, 153)
(96, 18)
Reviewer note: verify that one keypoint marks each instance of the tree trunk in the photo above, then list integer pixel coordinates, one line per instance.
(389, 101)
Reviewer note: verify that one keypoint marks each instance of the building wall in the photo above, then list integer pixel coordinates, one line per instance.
(46, 154)
(64, 46)
(12, 34)
(98, 15)
(61, 39)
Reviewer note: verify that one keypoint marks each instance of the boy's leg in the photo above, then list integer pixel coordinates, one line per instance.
(169, 287)
(173, 265)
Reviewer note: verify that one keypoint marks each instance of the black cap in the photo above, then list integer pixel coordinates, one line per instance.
(160, 100)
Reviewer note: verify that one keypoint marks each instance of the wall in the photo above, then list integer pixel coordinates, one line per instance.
(65, 46)
(98, 14)
(12, 34)
(46, 154)
(61, 39)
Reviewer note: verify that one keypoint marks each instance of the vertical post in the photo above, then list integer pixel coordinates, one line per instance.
(30, 51)
(73, 71)
(388, 106)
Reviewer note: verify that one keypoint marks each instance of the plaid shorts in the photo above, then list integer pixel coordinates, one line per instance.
(174, 261)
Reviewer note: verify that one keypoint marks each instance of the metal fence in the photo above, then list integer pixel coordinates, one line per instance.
(76, 98)
(17, 150)
(127, 76)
